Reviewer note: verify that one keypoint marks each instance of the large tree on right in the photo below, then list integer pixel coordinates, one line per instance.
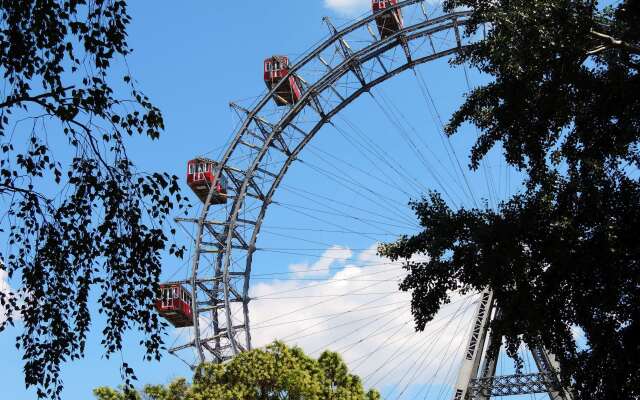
(563, 256)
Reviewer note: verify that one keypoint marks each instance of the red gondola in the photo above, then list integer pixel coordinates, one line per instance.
(275, 69)
(389, 22)
(174, 304)
(200, 177)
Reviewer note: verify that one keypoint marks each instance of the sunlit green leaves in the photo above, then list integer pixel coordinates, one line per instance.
(277, 372)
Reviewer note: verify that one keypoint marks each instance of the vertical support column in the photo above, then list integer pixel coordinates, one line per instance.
(474, 351)
(492, 352)
(484, 346)
(214, 314)
(548, 365)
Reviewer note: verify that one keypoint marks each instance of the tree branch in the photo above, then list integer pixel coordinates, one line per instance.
(37, 99)
(93, 144)
(25, 192)
(89, 135)
(631, 64)
(613, 43)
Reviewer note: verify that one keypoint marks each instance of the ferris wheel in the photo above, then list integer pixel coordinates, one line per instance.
(238, 188)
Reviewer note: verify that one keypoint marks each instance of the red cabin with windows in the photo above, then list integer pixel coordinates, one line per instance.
(200, 177)
(174, 304)
(389, 22)
(276, 68)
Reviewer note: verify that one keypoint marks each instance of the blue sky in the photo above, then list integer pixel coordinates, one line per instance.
(192, 60)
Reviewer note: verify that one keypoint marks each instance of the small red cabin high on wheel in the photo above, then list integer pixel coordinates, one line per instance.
(174, 304)
(391, 21)
(200, 177)
(276, 68)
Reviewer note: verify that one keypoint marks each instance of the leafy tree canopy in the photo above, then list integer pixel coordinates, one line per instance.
(274, 373)
(564, 105)
(80, 221)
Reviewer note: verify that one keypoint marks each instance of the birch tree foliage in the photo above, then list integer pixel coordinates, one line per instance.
(80, 221)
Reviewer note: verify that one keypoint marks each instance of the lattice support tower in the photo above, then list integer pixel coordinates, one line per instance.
(477, 379)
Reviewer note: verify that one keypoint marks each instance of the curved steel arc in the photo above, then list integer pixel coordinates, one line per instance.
(366, 54)
(362, 55)
(299, 148)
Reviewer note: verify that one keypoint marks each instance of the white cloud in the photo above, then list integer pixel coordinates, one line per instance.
(348, 7)
(4, 285)
(359, 312)
(4, 289)
(332, 256)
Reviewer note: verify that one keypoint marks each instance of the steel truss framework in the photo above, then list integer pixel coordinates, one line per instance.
(349, 63)
(481, 383)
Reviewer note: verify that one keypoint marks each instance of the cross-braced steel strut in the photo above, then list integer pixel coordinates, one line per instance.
(346, 51)
(479, 382)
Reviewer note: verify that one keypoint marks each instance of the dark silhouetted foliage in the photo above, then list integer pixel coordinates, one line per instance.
(80, 221)
(564, 105)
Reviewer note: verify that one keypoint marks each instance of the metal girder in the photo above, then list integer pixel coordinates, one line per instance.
(480, 324)
(205, 222)
(473, 352)
(375, 38)
(491, 356)
(211, 293)
(476, 384)
(238, 295)
(332, 87)
(222, 239)
(307, 136)
(433, 48)
(300, 131)
(217, 351)
(249, 145)
(262, 124)
(218, 305)
(405, 47)
(205, 343)
(510, 385)
(548, 364)
(272, 133)
(346, 51)
(264, 171)
(315, 101)
(457, 31)
(237, 181)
